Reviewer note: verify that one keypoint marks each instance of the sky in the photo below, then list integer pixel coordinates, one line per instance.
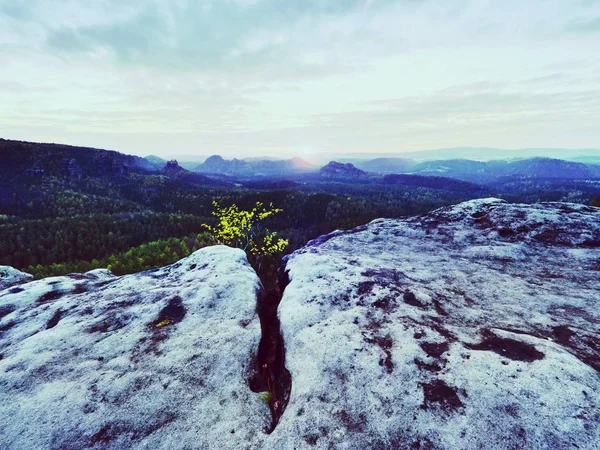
(300, 78)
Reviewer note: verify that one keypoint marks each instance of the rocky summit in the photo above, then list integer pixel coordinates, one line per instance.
(154, 360)
(474, 326)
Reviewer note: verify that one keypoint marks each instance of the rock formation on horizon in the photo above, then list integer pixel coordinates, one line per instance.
(337, 169)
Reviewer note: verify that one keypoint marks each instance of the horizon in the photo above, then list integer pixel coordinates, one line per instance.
(464, 152)
(248, 78)
(417, 155)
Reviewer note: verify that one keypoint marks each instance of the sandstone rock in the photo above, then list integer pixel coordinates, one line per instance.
(475, 326)
(336, 169)
(156, 360)
(9, 276)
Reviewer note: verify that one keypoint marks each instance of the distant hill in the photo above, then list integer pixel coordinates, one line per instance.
(301, 164)
(216, 164)
(41, 180)
(341, 170)
(463, 169)
(545, 168)
(386, 165)
(587, 159)
(475, 153)
(156, 161)
(484, 172)
(449, 184)
(491, 153)
(30, 159)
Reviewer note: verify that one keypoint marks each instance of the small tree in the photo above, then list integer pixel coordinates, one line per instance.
(245, 229)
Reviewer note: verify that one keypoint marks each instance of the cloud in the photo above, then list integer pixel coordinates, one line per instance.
(584, 26)
(246, 75)
(282, 37)
(196, 34)
(17, 11)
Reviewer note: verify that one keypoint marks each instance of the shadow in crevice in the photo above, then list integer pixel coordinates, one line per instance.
(270, 374)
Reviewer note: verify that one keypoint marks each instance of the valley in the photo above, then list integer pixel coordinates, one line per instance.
(70, 209)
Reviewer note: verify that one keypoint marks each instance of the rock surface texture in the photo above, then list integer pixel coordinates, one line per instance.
(156, 360)
(475, 326)
(9, 276)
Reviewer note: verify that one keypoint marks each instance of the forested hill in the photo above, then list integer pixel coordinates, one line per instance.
(493, 171)
(56, 160)
(65, 208)
(50, 180)
(438, 183)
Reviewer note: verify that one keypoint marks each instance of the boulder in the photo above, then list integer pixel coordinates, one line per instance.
(474, 326)
(158, 360)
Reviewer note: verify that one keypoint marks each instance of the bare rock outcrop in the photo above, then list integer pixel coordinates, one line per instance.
(158, 359)
(474, 326)
(9, 276)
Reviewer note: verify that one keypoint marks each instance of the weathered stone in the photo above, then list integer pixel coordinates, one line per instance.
(9, 276)
(475, 326)
(157, 360)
